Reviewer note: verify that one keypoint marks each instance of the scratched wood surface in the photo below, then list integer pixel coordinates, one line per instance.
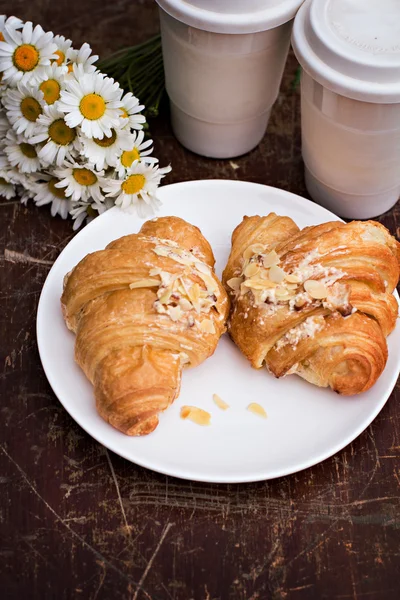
(79, 522)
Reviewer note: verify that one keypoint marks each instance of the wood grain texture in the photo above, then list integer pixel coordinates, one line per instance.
(79, 522)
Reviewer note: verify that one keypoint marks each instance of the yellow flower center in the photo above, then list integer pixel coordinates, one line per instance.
(2, 37)
(61, 57)
(57, 192)
(70, 67)
(2, 180)
(60, 133)
(92, 107)
(51, 90)
(28, 150)
(84, 176)
(26, 57)
(133, 184)
(129, 156)
(124, 113)
(107, 141)
(30, 108)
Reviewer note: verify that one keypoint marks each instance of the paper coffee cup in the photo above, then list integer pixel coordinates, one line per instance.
(350, 103)
(223, 63)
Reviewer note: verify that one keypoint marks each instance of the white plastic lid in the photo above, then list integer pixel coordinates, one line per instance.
(351, 47)
(232, 16)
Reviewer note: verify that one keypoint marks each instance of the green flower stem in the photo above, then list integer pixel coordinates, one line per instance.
(139, 69)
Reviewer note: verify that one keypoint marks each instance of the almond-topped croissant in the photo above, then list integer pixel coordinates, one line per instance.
(317, 302)
(143, 309)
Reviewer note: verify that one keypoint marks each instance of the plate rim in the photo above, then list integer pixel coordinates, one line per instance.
(183, 473)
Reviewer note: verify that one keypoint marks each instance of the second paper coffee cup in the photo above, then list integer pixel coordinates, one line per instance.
(349, 51)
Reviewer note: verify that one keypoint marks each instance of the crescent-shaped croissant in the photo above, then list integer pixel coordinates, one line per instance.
(317, 302)
(143, 309)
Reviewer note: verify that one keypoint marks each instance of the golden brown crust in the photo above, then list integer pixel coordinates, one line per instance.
(323, 340)
(127, 342)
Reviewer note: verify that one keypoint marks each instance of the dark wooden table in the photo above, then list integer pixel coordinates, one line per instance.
(80, 522)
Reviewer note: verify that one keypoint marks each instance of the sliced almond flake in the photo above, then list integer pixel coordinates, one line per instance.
(181, 289)
(257, 409)
(178, 255)
(203, 268)
(266, 283)
(282, 293)
(174, 312)
(300, 302)
(316, 289)
(207, 325)
(144, 283)
(164, 294)
(264, 274)
(290, 278)
(162, 251)
(291, 286)
(257, 284)
(197, 306)
(196, 415)
(194, 293)
(184, 358)
(167, 278)
(271, 259)
(220, 403)
(243, 289)
(211, 284)
(251, 270)
(159, 307)
(234, 283)
(185, 286)
(252, 250)
(166, 242)
(276, 274)
(185, 304)
(259, 296)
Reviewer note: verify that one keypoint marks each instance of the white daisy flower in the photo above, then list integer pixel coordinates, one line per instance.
(24, 196)
(47, 192)
(87, 211)
(27, 187)
(4, 125)
(7, 189)
(129, 112)
(23, 107)
(21, 154)
(63, 47)
(139, 150)
(137, 191)
(93, 102)
(24, 54)
(16, 177)
(104, 152)
(59, 139)
(81, 181)
(4, 164)
(13, 21)
(52, 84)
(82, 58)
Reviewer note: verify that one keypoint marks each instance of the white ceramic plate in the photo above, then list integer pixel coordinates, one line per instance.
(305, 424)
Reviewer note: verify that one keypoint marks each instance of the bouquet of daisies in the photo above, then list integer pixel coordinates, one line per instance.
(69, 136)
